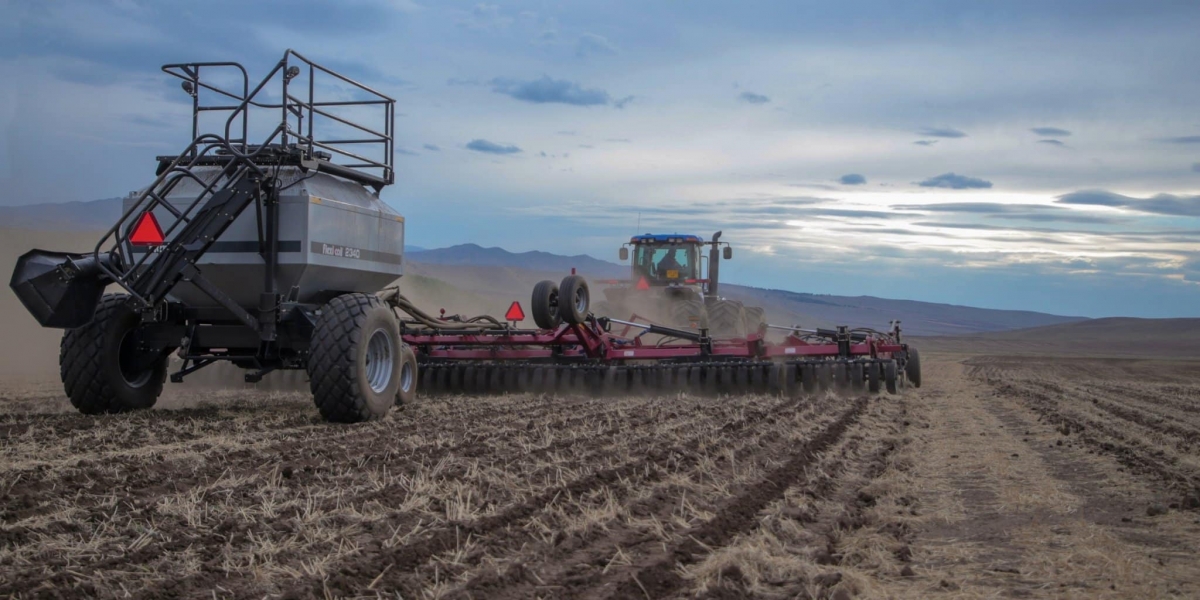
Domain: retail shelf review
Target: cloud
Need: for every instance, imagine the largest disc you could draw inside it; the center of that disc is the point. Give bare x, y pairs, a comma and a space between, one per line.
552, 91
852, 179
974, 207
431, 148
1051, 131
1053, 143
406, 152
1184, 139
591, 44
622, 102
955, 182
1196, 167
1161, 204
846, 212
752, 98
941, 132
925, 142
1056, 217
481, 145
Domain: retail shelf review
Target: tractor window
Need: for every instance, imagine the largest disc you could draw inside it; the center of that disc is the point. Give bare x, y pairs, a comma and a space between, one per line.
666, 263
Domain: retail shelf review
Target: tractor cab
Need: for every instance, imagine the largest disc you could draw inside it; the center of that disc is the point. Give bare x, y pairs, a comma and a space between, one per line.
664, 259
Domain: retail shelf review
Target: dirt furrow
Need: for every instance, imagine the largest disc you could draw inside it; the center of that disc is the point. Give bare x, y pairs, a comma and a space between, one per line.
657, 576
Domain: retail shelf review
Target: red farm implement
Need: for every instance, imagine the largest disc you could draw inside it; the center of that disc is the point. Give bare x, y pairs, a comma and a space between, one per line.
575, 351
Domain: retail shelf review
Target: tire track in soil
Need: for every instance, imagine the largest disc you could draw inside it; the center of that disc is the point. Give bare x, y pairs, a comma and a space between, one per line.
516, 582
352, 577
135, 472
1113, 442
649, 468
570, 575
1176, 397
1120, 408
658, 577
15, 535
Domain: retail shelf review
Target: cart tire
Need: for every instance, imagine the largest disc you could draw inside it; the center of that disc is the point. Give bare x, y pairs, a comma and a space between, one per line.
409, 375
90, 363
353, 359
544, 305
575, 301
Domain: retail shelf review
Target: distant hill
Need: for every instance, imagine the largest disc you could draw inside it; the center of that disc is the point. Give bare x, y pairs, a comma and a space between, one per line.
1114, 336
918, 318
476, 255
93, 215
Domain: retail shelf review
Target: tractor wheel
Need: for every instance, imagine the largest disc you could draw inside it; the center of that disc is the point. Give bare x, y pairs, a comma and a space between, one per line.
545, 305
574, 299
727, 319
100, 365
406, 388
687, 314
912, 368
352, 364
755, 319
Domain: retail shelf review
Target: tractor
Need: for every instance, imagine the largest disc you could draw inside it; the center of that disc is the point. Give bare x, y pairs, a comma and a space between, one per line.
668, 283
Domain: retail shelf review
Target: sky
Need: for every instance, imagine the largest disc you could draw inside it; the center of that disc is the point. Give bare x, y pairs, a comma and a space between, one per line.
1004, 154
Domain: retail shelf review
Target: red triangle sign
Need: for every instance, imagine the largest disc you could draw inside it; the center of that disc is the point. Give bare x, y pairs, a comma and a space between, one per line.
146, 232
515, 313
642, 284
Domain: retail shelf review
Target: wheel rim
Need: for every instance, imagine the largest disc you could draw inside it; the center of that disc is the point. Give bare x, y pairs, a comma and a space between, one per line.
581, 301
125, 354
380, 362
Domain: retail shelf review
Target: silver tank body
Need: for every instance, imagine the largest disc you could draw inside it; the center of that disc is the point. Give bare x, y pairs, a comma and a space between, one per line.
335, 236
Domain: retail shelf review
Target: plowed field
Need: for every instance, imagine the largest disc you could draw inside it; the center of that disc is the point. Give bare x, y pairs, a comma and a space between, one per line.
1027, 477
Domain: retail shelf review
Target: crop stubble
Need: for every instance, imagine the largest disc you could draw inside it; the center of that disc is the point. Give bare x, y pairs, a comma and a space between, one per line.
459, 496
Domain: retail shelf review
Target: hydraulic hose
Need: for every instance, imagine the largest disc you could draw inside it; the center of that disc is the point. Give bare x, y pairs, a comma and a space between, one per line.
397, 300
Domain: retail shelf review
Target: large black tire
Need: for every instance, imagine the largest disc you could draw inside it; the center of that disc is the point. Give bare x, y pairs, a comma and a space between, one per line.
727, 318
353, 358
756, 317
91, 358
574, 299
687, 314
406, 387
544, 305
912, 367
